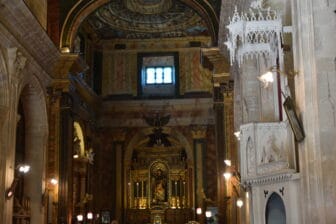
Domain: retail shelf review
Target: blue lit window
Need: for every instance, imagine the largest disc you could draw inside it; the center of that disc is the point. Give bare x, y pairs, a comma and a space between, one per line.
159, 75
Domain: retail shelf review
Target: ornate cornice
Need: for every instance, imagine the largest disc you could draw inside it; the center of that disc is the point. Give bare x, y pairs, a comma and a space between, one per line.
289, 175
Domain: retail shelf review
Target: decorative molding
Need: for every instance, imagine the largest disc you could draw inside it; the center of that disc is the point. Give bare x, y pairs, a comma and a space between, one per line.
276, 178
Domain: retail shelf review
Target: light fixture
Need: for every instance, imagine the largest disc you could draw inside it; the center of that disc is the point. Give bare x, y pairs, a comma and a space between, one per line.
80, 218
237, 134
240, 203
76, 156
199, 211
89, 215
227, 175
208, 214
53, 181
23, 168
227, 162
266, 78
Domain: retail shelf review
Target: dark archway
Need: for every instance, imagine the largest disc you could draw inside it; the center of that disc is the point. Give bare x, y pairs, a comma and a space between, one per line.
275, 210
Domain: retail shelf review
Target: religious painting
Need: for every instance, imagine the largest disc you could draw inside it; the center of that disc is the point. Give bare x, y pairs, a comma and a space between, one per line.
159, 183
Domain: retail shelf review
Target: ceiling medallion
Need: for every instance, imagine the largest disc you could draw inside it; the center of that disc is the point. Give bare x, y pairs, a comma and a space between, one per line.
148, 6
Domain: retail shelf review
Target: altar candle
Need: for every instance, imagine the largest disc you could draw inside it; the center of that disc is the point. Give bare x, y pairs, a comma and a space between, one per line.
176, 188
142, 185
137, 189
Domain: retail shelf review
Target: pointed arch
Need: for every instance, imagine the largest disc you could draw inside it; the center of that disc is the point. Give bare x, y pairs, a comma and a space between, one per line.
275, 212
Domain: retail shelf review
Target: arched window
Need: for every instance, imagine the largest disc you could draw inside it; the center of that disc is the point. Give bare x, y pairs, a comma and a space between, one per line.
275, 210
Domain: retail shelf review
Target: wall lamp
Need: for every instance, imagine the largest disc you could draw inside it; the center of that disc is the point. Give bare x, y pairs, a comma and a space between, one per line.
22, 169
268, 76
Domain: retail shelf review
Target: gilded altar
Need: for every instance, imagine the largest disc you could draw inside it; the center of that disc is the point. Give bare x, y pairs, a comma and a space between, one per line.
159, 186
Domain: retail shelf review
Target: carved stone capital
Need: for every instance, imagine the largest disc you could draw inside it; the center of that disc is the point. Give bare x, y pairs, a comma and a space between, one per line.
198, 132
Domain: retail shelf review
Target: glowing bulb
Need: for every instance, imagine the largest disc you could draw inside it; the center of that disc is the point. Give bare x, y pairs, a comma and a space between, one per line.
237, 134
227, 162
198, 211
80, 217
208, 214
227, 175
24, 168
53, 181
75, 156
89, 215
266, 78
240, 203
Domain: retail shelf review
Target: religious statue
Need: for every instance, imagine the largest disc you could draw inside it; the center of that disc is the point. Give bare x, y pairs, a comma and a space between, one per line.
159, 186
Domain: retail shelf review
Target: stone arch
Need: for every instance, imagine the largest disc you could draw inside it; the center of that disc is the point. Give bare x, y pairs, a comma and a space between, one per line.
275, 211
83, 9
36, 135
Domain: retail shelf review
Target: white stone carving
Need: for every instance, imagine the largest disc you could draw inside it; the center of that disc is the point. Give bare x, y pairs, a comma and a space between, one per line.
269, 149
253, 34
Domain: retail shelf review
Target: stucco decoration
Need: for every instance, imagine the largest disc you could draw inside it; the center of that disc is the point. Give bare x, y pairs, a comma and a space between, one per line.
146, 19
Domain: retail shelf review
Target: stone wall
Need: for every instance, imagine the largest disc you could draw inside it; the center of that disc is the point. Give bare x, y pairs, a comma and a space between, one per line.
39, 9
314, 48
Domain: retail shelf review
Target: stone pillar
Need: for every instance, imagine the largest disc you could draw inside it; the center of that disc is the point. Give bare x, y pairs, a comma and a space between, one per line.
54, 108
118, 147
199, 141
3, 130
65, 211
221, 154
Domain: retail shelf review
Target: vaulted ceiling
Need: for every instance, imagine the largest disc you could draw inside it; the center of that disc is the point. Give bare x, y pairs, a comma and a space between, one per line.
146, 19
142, 19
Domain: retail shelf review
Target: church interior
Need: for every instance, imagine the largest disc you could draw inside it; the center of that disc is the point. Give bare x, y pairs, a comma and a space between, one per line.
167, 111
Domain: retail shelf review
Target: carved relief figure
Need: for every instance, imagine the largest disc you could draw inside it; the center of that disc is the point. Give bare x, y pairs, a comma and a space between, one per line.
271, 152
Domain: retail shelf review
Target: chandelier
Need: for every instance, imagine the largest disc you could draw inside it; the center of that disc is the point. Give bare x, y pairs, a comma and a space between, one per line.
255, 33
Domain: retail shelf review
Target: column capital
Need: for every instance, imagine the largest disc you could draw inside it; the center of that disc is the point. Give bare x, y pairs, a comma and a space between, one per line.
198, 131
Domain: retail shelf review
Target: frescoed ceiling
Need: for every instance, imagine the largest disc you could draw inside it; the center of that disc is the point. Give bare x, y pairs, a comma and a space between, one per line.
135, 19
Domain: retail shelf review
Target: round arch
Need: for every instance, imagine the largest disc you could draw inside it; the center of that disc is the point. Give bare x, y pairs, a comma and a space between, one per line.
275, 211
36, 137
84, 8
